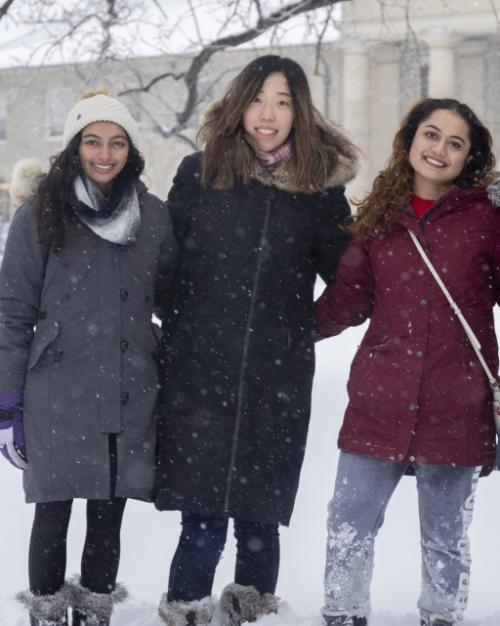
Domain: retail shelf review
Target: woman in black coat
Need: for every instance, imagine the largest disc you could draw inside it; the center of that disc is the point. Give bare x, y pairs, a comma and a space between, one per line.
259, 215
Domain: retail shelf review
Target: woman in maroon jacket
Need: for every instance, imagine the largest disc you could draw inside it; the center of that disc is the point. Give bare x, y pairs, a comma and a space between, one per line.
419, 400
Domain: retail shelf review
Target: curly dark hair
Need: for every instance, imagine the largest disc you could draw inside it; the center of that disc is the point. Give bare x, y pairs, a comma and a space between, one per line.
393, 186
52, 200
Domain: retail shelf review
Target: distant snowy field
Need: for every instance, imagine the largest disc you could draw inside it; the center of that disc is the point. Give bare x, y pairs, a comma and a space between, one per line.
149, 537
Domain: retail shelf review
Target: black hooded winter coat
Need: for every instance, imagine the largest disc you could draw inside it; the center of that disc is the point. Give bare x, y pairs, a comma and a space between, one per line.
238, 355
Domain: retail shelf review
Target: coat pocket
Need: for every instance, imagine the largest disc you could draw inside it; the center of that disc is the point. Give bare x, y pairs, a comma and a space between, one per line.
42, 340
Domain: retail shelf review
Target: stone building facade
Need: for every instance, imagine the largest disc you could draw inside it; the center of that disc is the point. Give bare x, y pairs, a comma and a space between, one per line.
365, 81
36, 102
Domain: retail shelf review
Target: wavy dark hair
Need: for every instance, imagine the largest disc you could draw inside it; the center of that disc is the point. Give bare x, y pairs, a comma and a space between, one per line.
393, 186
52, 200
228, 159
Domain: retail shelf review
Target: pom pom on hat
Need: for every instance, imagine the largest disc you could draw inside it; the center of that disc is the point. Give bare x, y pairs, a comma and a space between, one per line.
100, 108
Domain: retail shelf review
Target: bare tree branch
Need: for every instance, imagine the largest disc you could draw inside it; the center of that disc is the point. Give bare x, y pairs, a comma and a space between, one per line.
495, 13
195, 21
56, 42
160, 9
5, 7
382, 13
201, 59
107, 23
259, 9
150, 84
94, 30
321, 37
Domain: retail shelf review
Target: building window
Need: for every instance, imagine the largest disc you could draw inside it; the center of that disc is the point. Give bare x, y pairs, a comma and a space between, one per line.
59, 103
3, 117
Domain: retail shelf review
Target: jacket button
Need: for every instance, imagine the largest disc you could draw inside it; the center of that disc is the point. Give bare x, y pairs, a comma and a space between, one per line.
66, 297
125, 397
42, 315
123, 294
58, 355
124, 345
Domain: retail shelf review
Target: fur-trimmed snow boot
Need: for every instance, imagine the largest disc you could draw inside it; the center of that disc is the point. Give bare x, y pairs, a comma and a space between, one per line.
94, 609
193, 613
242, 604
48, 610
344, 620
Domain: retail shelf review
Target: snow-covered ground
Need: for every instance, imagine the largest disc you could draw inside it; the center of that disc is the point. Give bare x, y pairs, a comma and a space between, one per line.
149, 537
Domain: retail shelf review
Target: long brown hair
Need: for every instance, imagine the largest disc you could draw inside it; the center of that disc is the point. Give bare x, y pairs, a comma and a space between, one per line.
228, 159
393, 186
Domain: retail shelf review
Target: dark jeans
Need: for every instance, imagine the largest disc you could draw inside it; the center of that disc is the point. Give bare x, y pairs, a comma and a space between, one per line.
200, 547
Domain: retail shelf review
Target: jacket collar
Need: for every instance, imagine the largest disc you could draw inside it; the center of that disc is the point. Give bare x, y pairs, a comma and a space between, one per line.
454, 199
346, 169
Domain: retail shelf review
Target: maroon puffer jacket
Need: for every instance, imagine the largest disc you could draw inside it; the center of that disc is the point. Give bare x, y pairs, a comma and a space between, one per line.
416, 389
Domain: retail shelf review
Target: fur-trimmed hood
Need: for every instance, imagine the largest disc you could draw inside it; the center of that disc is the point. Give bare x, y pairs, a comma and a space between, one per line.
346, 169
348, 164
26, 176
494, 192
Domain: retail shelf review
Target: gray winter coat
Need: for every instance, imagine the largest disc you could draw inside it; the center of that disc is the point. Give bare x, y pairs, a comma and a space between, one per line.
76, 339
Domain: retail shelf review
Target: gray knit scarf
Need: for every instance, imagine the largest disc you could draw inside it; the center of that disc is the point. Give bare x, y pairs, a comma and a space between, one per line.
115, 218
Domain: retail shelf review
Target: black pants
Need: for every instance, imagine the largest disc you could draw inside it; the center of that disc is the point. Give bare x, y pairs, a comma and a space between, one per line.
200, 547
101, 551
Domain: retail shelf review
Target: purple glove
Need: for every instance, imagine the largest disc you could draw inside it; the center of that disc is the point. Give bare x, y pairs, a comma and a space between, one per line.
11, 429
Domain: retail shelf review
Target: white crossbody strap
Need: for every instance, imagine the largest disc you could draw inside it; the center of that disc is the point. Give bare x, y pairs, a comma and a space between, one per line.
468, 330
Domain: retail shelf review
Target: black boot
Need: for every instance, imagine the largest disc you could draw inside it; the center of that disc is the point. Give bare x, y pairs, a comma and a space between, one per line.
436, 621
48, 610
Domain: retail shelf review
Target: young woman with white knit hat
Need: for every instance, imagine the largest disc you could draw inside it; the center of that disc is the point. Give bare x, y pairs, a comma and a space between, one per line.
86, 258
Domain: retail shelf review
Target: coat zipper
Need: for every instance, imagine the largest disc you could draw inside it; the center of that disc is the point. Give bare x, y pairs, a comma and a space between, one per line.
246, 345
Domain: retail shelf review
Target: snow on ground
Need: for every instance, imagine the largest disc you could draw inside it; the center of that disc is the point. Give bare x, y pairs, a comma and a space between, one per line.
149, 538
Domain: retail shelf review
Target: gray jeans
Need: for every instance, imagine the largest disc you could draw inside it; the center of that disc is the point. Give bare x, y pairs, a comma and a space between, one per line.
363, 488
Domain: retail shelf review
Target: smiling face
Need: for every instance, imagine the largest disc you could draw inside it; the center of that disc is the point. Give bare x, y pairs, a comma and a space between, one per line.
439, 153
103, 153
268, 119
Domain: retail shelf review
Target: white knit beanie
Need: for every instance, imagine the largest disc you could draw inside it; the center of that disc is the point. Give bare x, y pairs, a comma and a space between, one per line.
100, 108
